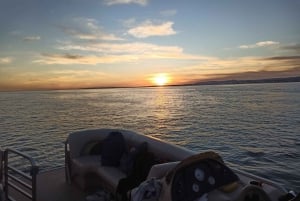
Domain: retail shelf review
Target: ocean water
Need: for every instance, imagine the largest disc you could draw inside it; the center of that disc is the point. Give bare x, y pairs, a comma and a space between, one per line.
254, 127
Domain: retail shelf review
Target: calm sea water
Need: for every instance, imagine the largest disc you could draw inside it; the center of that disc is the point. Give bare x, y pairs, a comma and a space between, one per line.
253, 127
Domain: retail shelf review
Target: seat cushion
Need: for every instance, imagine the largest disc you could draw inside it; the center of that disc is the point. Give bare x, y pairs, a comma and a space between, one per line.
110, 176
92, 164
84, 164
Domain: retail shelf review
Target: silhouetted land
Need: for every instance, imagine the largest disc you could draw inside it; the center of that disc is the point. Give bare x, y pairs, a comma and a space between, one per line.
270, 80
223, 82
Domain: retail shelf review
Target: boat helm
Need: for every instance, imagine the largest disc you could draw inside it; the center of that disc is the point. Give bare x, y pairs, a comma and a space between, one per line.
195, 177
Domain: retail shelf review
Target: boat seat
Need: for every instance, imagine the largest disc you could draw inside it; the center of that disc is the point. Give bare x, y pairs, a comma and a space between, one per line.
110, 176
92, 164
86, 164
81, 167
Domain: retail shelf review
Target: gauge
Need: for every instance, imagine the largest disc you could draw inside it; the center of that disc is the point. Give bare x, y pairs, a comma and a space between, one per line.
211, 180
195, 188
199, 174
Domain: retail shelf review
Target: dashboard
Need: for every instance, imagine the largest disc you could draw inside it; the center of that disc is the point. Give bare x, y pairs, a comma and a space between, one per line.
194, 180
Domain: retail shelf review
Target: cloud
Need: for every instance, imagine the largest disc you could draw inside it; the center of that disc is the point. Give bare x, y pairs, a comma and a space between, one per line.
88, 29
148, 28
128, 22
122, 48
54, 79
259, 44
140, 51
66, 56
296, 58
291, 47
115, 2
31, 38
238, 68
16, 33
261, 74
6, 60
168, 13
69, 59
281, 62
104, 53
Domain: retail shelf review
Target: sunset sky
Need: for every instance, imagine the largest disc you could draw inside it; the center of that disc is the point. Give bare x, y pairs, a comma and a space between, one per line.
62, 44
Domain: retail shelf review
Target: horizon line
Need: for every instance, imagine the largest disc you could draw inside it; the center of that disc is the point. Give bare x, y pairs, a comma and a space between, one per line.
209, 82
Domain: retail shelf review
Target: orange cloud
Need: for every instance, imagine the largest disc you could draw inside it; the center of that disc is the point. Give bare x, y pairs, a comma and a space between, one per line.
57, 79
240, 68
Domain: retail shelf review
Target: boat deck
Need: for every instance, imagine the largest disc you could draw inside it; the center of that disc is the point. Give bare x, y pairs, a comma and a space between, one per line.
51, 186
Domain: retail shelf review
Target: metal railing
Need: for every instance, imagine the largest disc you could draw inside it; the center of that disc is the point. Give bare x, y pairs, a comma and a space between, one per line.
67, 162
1, 175
16, 179
1, 165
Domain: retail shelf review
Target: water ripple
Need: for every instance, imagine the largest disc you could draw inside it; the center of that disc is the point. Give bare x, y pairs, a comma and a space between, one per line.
254, 127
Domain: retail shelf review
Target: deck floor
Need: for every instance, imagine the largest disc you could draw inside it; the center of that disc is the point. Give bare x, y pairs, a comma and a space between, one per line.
51, 186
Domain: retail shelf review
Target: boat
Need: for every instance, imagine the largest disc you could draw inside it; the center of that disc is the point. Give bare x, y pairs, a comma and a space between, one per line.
118, 164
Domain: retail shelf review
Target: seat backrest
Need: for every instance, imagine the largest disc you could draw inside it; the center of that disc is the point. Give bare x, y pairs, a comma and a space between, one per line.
79, 139
164, 150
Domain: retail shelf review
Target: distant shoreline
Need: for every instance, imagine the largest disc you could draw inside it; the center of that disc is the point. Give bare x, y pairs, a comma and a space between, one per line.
221, 82
256, 81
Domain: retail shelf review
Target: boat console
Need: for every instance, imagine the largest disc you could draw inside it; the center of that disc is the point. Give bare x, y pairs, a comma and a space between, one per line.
205, 177
194, 180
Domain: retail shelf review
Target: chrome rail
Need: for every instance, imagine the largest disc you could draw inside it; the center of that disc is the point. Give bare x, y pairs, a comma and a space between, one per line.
1, 165
67, 162
11, 180
1, 175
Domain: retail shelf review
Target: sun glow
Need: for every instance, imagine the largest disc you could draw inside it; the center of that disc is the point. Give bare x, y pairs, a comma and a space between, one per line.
161, 79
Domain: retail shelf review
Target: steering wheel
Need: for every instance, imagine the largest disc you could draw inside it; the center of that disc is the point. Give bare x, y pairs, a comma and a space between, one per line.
253, 193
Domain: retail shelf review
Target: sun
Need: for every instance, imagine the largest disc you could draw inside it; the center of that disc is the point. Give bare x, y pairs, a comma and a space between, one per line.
161, 79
